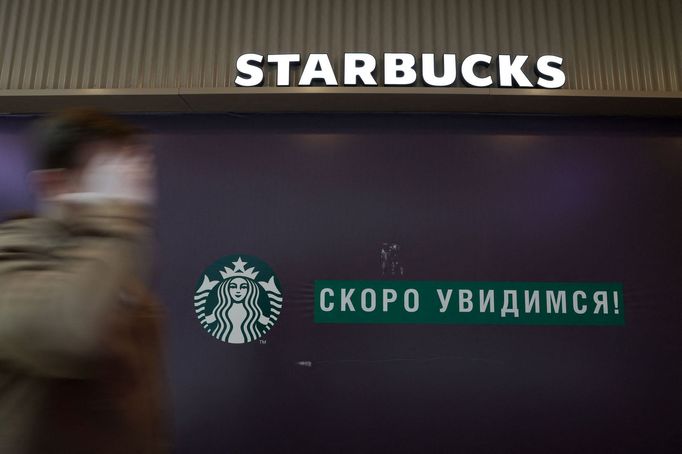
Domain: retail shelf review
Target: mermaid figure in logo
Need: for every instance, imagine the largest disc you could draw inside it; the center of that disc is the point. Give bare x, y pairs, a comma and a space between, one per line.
237, 312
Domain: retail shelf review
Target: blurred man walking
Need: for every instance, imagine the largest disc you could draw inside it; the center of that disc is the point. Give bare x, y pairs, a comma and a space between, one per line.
80, 352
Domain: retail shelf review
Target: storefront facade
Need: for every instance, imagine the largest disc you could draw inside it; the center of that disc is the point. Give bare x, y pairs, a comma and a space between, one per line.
507, 182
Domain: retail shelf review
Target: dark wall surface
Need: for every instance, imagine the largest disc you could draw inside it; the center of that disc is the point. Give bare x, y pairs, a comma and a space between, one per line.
467, 198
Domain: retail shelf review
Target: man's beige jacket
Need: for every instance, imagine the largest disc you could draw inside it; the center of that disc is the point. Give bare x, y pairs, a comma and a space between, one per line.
80, 350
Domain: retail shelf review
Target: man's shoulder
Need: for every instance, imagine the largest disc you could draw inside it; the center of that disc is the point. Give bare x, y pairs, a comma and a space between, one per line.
17, 215
28, 233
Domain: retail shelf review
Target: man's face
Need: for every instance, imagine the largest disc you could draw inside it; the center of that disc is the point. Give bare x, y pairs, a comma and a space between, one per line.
104, 170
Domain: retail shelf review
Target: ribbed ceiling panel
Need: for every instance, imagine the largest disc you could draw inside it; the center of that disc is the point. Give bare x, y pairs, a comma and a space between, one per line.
614, 45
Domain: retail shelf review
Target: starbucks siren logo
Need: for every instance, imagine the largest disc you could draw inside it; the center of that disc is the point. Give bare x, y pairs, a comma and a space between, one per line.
242, 303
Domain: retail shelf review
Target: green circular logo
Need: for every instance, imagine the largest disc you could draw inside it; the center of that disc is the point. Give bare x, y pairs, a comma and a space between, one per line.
238, 299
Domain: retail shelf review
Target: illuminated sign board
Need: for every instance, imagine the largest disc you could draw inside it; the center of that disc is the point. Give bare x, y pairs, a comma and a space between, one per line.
465, 303
400, 69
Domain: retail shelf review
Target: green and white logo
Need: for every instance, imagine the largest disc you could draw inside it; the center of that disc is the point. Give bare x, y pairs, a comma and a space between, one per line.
238, 299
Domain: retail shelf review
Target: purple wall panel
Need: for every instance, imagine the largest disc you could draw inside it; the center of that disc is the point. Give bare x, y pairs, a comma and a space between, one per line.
14, 166
468, 198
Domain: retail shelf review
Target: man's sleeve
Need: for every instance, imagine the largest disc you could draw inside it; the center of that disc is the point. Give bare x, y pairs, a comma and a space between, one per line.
55, 313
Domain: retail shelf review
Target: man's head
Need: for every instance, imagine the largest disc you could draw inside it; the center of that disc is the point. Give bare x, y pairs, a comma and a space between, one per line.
88, 153
67, 143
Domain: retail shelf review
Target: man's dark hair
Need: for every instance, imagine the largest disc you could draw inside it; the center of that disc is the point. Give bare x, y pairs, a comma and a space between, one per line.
59, 138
